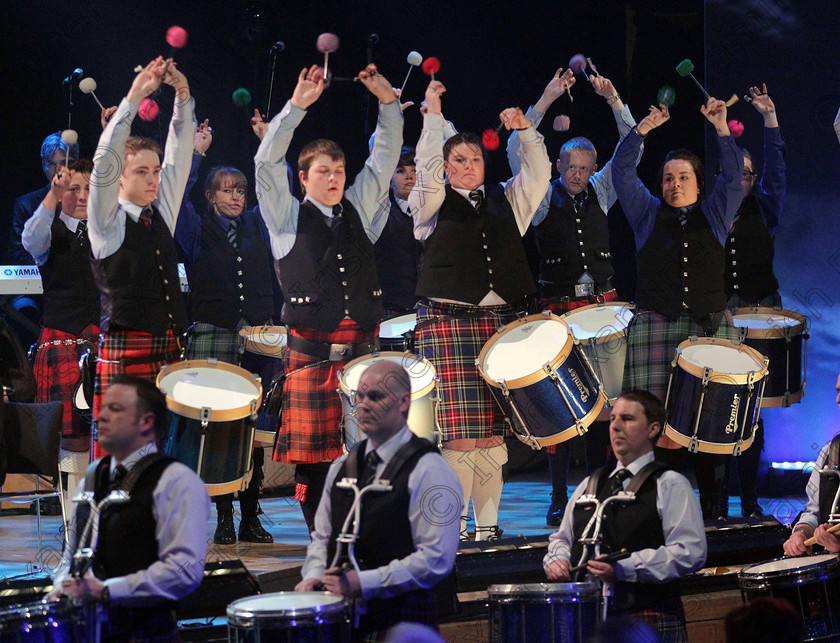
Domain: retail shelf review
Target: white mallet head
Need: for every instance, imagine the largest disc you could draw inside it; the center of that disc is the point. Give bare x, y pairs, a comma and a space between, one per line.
414, 58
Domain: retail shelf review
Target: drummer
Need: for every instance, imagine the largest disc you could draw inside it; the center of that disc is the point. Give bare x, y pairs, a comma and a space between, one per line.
473, 279
680, 264
151, 549
662, 528
820, 491
574, 248
401, 564
228, 261
323, 256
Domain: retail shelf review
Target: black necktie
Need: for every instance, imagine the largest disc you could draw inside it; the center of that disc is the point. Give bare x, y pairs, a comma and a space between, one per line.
477, 199
616, 481
578, 200
119, 474
233, 232
372, 461
146, 216
683, 213
81, 228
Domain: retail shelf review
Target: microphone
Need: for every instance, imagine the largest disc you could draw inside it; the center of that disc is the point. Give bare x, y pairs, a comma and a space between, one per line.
76, 75
277, 47
373, 39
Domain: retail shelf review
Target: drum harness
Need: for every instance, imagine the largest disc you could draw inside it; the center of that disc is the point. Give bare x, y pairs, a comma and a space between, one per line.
591, 536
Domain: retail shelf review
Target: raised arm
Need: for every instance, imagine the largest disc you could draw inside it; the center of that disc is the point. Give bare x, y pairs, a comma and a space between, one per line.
722, 205
188, 228
37, 231
428, 192
773, 183
529, 186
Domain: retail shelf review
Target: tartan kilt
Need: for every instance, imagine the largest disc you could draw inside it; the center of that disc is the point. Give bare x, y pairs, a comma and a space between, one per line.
559, 307
670, 625
651, 342
311, 415
206, 341
467, 408
57, 373
155, 350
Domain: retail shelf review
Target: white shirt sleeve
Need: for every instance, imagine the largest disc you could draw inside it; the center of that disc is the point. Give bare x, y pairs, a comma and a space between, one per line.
37, 234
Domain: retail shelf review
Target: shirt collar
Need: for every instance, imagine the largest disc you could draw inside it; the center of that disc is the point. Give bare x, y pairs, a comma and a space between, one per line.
132, 209
388, 448
71, 222
223, 221
402, 205
637, 464
584, 192
326, 210
132, 458
466, 193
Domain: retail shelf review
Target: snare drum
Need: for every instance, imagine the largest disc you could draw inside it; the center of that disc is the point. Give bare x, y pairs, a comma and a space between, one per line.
291, 617
43, 622
397, 333
212, 409
546, 612
542, 379
602, 332
263, 350
422, 414
264, 340
810, 583
714, 395
782, 336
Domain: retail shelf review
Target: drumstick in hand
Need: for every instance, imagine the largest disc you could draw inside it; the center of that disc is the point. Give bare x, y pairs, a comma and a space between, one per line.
609, 558
832, 530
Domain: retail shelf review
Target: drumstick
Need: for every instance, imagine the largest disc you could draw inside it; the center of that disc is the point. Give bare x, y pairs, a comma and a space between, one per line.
832, 530
609, 558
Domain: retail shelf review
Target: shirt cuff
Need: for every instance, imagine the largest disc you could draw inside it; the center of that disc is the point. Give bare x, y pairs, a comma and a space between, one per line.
118, 588
625, 572
369, 582
528, 135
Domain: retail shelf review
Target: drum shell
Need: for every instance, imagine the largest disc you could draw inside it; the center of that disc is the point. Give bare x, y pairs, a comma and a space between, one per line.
543, 613
328, 623
779, 352
403, 342
45, 622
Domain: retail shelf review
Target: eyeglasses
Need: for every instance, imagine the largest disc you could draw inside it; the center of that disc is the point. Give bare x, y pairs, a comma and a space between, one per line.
746, 175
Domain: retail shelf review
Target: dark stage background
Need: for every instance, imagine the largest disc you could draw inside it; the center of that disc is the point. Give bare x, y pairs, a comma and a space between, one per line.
492, 56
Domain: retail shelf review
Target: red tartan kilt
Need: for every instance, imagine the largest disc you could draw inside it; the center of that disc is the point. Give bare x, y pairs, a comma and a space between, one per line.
129, 344
57, 373
312, 409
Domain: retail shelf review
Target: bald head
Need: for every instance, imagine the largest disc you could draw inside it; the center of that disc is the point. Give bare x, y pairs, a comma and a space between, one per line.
383, 398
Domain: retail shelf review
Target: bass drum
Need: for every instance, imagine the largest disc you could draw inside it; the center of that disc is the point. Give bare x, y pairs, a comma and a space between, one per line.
212, 409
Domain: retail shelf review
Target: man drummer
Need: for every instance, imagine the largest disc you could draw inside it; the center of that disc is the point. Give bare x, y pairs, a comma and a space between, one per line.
324, 259
662, 527
399, 565
575, 267
820, 491
151, 548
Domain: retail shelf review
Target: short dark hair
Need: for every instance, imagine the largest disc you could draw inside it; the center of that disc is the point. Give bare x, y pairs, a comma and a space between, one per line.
316, 147
464, 137
149, 398
84, 166
406, 157
652, 406
134, 144
696, 164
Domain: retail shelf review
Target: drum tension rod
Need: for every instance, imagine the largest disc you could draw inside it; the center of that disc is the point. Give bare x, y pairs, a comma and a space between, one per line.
205, 417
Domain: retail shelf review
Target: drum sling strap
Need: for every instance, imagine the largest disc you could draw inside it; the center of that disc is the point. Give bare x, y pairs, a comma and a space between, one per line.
833, 459
404, 453
650, 469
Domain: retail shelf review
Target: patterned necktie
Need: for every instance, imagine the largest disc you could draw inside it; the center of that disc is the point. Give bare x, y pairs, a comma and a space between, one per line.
81, 229
233, 232
146, 216
617, 479
477, 199
577, 201
372, 461
683, 213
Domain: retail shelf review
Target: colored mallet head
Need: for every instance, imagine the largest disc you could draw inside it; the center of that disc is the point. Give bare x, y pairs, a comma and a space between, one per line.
562, 123
578, 65
241, 97
684, 69
666, 96
736, 128
327, 43
176, 37
490, 139
431, 66
414, 59
70, 136
148, 110
88, 86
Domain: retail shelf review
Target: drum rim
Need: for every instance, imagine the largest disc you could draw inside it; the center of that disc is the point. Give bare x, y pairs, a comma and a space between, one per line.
245, 617
795, 576
503, 591
537, 376
390, 319
601, 339
415, 395
217, 415
726, 448
253, 346
771, 333
719, 376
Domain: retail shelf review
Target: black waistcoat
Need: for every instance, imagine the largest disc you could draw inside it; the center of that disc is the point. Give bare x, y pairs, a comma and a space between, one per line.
572, 242
139, 282
71, 298
228, 283
829, 484
681, 264
470, 253
323, 280
749, 255
398, 259
633, 526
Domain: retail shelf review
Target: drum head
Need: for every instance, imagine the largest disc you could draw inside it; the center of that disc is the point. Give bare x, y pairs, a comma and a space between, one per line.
781, 566
769, 323
225, 389
599, 322
421, 371
524, 347
726, 359
398, 326
303, 607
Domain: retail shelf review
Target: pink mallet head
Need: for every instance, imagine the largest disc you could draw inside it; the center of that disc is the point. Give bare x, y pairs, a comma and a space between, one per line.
148, 110
327, 43
561, 123
176, 37
736, 127
490, 139
431, 66
578, 63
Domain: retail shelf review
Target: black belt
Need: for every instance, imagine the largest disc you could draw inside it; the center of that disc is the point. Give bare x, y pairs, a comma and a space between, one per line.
331, 352
565, 294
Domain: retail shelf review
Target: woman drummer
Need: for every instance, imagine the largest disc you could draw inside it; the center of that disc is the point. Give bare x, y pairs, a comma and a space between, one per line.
680, 241
231, 281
